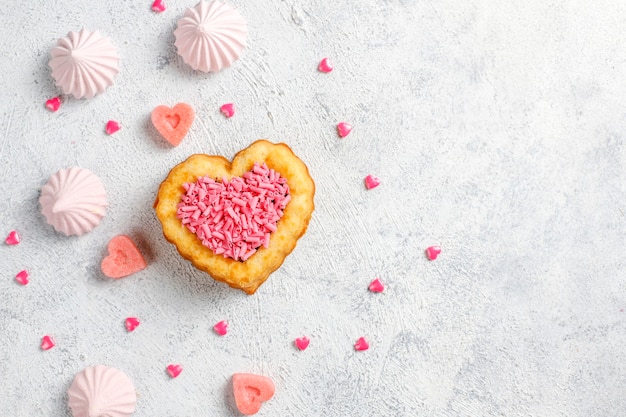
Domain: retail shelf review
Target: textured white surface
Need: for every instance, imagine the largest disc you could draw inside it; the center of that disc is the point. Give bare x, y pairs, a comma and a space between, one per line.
497, 129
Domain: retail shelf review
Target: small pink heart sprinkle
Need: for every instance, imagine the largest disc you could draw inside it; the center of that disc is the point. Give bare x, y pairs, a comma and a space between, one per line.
432, 252
158, 6
302, 342
53, 104
371, 182
131, 323
376, 286
221, 328
325, 66
112, 127
22, 277
228, 110
46, 343
361, 344
174, 370
13, 238
344, 129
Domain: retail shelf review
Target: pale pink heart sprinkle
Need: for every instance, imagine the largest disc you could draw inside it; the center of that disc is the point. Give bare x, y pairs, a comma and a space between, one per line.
228, 110
376, 286
221, 328
371, 182
112, 127
325, 66
131, 323
235, 217
174, 370
432, 252
344, 129
53, 104
22, 277
302, 342
361, 344
13, 238
46, 343
158, 6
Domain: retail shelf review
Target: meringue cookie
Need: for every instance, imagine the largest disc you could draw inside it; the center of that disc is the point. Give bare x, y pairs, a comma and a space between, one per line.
100, 391
73, 201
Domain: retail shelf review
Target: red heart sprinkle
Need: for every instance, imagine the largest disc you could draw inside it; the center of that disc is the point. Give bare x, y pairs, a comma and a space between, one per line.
432, 252
376, 286
13, 238
53, 104
158, 6
174, 370
325, 66
221, 328
131, 323
124, 258
228, 110
344, 129
361, 344
371, 182
22, 277
302, 342
250, 391
112, 127
46, 343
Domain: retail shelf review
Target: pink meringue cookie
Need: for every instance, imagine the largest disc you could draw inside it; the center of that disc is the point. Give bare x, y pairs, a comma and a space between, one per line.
84, 63
73, 201
210, 36
102, 391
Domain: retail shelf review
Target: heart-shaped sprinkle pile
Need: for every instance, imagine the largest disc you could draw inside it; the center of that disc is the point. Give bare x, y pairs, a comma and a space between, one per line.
124, 258
235, 217
13, 238
344, 129
302, 342
221, 328
432, 252
361, 344
228, 110
158, 6
325, 66
376, 286
53, 104
46, 343
250, 391
371, 182
112, 127
22, 277
174, 370
173, 124
131, 323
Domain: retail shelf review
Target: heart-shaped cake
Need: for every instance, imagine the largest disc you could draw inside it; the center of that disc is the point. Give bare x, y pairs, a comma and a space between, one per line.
237, 221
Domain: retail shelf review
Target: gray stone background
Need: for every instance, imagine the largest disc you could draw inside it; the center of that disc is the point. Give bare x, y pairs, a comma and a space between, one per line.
497, 129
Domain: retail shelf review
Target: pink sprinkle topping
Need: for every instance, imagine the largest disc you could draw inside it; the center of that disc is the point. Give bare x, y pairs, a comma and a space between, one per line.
432, 252
325, 66
131, 323
174, 370
235, 217
344, 129
112, 127
371, 182
158, 6
361, 344
53, 104
302, 342
46, 343
376, 286
13, 238
221, 328
22, 277
228, 110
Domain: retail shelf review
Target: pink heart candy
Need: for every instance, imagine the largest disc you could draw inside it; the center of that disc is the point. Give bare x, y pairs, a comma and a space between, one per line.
158, 6
371, 182
376, 286
228, 110
112, 127
221, 328
251, 391
344, 129
361, 344
302, 342
131, 323
46, 343
174, 370
432, 252
22, 277
325, 66
13, 238
53, 104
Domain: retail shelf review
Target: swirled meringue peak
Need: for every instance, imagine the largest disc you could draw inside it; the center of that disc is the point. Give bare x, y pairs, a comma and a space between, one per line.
73, 201
84, 63
211, 36
102, 391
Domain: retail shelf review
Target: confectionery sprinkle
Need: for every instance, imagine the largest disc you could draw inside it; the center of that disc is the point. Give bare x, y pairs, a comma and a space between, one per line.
131, 323
47, 343
344, 129
325, 66
361, 344
112, 127
158, 6
22, 277
432, 252
174, 370
221, 328
53, 104
371, 182
13, 238
376, 286
302, 342
228, 110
